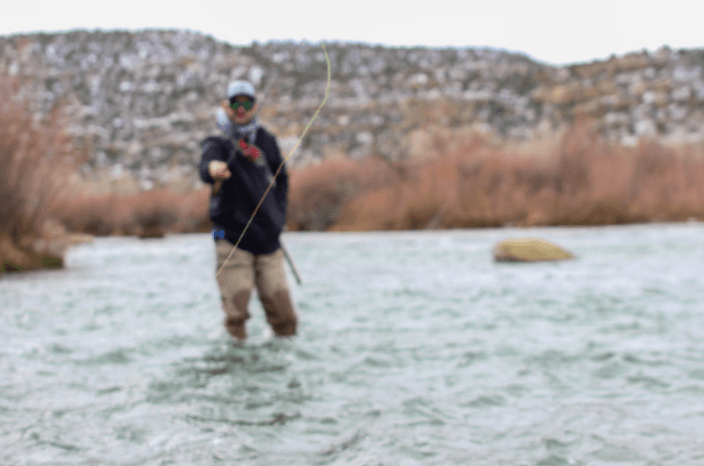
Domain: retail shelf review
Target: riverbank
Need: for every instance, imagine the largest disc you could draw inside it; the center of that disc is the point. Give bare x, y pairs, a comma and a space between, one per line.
44, 251
571, 178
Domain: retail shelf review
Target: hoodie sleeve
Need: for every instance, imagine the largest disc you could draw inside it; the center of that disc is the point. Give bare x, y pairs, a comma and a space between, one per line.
213, 149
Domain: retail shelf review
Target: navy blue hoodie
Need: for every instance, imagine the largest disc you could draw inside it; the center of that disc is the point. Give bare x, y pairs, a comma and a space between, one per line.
233, 205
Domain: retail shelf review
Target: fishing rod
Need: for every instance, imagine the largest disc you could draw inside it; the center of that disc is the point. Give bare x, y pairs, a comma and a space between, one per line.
288, 257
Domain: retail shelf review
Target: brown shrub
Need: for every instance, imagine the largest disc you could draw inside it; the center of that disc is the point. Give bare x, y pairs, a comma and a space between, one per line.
577, 180
316, 194
35, 161
570, 179
146, 214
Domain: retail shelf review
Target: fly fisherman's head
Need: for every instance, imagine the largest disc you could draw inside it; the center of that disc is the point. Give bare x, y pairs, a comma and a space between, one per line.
241, 106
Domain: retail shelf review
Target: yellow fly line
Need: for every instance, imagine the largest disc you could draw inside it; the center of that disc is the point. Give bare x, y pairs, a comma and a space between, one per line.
281, 165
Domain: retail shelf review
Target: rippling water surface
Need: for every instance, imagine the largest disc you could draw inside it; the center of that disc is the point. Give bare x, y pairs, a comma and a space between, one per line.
414, 349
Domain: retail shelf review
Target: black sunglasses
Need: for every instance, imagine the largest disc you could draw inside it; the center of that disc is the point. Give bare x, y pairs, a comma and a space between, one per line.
247, 104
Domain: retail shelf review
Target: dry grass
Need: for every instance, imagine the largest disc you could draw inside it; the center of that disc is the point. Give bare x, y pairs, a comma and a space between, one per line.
576, 180
147, 214
35, 161
317, 193
569, 178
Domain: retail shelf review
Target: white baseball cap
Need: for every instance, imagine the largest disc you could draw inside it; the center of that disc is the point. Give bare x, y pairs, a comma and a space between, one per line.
240, 88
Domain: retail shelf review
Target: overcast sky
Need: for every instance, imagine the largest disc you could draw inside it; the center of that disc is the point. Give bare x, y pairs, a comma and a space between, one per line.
551, 31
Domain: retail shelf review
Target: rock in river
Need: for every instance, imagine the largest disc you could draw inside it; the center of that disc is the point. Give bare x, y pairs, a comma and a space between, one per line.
529, 250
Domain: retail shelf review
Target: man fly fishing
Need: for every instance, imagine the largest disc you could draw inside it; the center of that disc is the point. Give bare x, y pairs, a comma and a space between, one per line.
240, 166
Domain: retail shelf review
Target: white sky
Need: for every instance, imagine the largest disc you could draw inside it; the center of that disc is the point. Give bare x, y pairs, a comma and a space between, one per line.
551, 31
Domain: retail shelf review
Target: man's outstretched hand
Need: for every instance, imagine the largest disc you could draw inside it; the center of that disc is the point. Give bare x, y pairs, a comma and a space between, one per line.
218, 170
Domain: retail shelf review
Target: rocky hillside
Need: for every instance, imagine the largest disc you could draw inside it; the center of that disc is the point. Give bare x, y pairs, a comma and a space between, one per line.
141, 102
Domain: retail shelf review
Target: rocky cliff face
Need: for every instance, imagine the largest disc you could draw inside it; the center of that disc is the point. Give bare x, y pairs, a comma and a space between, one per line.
141, 102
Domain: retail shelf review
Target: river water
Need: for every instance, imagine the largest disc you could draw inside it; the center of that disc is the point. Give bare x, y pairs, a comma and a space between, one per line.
415, 348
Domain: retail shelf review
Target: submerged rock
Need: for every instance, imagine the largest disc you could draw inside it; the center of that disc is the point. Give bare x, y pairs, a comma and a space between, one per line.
529, 250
